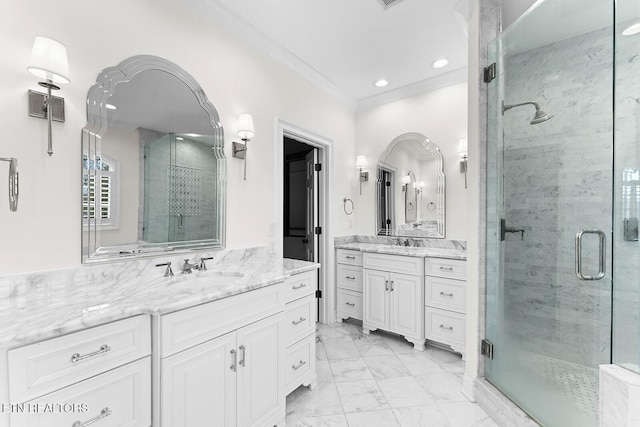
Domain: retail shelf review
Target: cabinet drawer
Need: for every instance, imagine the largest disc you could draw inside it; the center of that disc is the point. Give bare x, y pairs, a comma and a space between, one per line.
300, 363
300, 319
351, 257
38, 369
441, 267
300, 285
447, 294
120, 397
192, 326
349, 304
394, 263
350, 277
444, 326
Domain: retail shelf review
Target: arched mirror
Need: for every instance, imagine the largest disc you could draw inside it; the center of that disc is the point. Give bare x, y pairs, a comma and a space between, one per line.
410, 189
153, 165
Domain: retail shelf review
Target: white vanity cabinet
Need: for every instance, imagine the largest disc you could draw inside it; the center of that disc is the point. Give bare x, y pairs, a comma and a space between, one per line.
445, 302
97, 374
300, 328
349, 284
221, 363
393, 296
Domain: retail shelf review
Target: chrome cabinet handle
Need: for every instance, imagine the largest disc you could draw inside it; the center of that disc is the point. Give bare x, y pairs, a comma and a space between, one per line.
234, 364
386, 285
392, 286
242, 357
300, 286
446, 268
350, 277
297, 322
350, 257
299, 365
76, 357
446, 295
446, 327
602, 253
351, 304
103, 414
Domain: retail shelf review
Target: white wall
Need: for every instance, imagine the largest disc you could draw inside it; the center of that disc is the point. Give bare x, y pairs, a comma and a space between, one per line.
45, 232
441, 116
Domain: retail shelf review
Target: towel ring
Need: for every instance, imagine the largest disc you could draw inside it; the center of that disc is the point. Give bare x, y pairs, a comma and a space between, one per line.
347, 210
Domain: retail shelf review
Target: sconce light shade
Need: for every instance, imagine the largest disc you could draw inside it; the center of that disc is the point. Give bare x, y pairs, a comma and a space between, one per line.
49, 60
462, 147
245, 126
361, 161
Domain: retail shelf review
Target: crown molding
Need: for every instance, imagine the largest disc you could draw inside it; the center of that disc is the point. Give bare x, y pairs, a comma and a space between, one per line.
423, 86
234, 24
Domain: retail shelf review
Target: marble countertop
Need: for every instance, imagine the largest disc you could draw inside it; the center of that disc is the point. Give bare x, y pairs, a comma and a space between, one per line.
419, 251
48, 305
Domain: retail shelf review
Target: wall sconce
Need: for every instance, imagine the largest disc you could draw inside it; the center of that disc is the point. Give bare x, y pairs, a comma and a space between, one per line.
462, 153
419, 189
49, 62
405, 182
245, 132
361, 162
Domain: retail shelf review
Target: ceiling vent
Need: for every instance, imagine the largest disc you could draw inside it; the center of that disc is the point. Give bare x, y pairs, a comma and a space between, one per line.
386, 4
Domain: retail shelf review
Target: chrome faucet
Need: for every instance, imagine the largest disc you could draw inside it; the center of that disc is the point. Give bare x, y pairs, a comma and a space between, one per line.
168, 272
187, 267
203, 266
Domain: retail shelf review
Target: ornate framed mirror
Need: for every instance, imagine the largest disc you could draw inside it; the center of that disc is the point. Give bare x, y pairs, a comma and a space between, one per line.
153, 164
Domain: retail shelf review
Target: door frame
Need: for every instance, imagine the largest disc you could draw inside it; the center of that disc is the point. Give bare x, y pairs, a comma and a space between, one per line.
327, 312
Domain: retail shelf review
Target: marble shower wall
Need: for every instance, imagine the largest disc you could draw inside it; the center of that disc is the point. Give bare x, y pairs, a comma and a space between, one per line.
557, 180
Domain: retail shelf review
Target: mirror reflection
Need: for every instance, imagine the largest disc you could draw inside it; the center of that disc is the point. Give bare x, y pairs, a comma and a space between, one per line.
153, 163
410, 189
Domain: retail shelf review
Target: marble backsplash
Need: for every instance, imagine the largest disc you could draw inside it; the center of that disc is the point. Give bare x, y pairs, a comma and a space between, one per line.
390, 240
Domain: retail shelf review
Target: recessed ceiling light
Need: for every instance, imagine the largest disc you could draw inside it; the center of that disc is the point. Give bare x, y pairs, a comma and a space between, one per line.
631, 30
111, 107
179, 138
440, 63
380, 83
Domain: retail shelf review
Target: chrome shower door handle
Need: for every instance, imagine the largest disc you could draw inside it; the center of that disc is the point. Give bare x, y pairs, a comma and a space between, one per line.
601, 258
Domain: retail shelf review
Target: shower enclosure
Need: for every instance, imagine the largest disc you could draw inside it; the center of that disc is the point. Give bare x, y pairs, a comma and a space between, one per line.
563, 202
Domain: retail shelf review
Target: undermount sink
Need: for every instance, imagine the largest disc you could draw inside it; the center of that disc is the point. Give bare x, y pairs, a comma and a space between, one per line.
205, 278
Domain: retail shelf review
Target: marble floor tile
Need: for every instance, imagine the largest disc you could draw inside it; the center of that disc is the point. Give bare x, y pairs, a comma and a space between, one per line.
419, 363
421, 416
321, 354
444, 386
322, 400
388, 366
323, 371
324, 421
339, 331
404, 391
398, 344
360, 396
373, 347
465, 414
341, 350
442, 356
372, 419
350, 370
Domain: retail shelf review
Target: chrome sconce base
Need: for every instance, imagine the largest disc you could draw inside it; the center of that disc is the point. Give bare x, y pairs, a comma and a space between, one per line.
46, 106
363, 177
463, 169
240, 152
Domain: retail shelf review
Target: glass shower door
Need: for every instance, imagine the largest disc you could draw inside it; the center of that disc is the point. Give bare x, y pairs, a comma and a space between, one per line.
550, 163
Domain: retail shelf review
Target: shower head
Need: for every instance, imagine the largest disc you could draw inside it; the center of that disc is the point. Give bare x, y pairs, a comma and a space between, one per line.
540, 116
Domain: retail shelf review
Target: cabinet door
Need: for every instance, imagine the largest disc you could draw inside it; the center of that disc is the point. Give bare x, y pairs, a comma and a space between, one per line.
375, 299
260, 374
199, 385
407, 301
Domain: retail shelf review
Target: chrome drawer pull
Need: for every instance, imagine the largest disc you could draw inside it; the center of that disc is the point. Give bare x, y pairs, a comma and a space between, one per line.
234, 364
351, 304
350, 257
103, 414
446, 268
302, 319
242, 362
300, 365
350, 278
300, 286
446, 327
76, 357
446, 295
